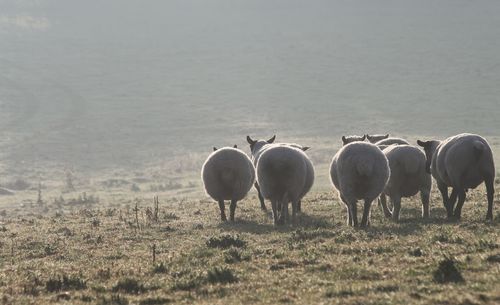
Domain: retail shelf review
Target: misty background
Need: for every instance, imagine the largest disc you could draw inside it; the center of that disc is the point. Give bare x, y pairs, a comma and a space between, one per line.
96, 86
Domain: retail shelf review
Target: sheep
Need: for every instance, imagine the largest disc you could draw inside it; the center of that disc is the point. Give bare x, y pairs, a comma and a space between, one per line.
462, 162
376, 137
349, 139
257, 147
227, 174
408, 177
282, 173
359, 170
391, 141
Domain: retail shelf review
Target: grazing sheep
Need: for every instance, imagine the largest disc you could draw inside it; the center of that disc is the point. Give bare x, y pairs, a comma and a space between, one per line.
227, 174
391, 141
282, 173
349, 139
408, 177
462, 162
376, 137
359, 170
259, 146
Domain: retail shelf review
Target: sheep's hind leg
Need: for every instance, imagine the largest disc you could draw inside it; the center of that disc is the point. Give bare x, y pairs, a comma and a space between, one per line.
451, 202
275, 212
424, 196
284, 213
443, 189
490, 191
261, 198
396, 202
353, 207
349, 214
365, 221
295, 206
222, 208
232, 209
299, 206
461, 200
383, 202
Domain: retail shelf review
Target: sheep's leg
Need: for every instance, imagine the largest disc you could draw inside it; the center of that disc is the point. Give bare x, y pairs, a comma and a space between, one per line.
396, 202
490, 191
460, 204
365, 221
284, 212
261, 198
299, 206
349, 212
425, 197
275, 211
232, 208
295, 206
444, 193
222, 208
451, 202
349, 217
354, 213
383, 203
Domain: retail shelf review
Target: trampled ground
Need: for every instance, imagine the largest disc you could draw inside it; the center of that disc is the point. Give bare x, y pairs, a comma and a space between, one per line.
103, 254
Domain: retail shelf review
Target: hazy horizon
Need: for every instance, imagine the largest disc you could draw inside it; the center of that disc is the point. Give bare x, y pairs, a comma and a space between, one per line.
98, 84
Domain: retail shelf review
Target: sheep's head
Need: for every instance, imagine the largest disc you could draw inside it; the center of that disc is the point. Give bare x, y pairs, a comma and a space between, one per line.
376, 137
349, 139
256, 145
429, 149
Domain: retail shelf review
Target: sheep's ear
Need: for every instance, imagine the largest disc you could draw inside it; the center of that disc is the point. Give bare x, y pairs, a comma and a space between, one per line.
271, 140
344, 140
304, 148
386, 135
363, 137
422, 143
235, 146
250, 141
215, 148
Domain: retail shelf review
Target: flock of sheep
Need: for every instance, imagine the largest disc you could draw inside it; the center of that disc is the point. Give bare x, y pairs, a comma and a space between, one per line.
384, 166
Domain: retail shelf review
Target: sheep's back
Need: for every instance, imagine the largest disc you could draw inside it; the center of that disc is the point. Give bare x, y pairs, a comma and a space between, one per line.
407, 166
228, 174
360, 170
463, 160
282, 169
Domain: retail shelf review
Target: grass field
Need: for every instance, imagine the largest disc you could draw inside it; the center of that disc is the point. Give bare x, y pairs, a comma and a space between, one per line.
85, 252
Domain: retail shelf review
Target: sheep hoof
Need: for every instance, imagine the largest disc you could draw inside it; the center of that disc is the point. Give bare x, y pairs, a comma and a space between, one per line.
489, 217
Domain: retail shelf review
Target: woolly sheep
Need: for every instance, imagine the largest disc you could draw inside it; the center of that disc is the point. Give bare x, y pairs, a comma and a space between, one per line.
462, 162
282, 173
376, 137
227, 174
259, 146
408, 177
359, 170
349, 139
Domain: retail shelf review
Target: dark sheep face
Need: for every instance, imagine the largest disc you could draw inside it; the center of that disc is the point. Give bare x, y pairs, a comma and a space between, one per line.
429, 148
254, 142
349, 139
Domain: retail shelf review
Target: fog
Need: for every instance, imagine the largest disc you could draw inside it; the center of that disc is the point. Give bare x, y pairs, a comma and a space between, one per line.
97, 85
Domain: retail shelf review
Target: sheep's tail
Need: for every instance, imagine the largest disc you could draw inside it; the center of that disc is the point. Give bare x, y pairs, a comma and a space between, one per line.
478, 149
364, 167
